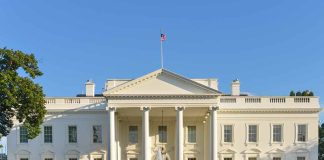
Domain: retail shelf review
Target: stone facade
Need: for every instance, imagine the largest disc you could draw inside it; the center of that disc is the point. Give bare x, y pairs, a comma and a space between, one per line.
185, 119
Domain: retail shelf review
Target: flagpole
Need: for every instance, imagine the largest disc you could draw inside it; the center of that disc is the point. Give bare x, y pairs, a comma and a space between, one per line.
161, 47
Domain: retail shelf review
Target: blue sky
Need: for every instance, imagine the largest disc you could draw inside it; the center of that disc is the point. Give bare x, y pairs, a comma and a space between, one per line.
271, 46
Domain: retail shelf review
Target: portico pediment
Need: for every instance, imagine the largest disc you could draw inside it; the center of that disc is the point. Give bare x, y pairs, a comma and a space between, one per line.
161, 82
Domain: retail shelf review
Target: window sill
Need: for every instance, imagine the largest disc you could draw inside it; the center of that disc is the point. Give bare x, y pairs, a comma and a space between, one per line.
252, 143
227, 143
277, 143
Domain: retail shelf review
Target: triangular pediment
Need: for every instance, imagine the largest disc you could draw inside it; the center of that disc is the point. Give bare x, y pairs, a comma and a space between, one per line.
252, 151
227, 151
161, 82
276, 151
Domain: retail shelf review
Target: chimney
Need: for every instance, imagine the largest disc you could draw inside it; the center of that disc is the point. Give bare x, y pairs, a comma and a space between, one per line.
236, 87
90, 88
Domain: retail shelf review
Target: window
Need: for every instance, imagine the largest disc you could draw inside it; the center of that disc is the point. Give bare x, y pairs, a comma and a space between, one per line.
276, 158
302, 133
23, 135
48, 135
301, 158
133, 134
162, 134
227, 158
73, 159
133, 159
48, 158
253, 133
97, 134
277, 133
228, 133
191, 158
192, 134
73, 135
252, 158
97, 159
23, 158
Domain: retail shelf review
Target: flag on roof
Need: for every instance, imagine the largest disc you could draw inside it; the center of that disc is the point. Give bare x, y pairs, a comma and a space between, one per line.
163, 37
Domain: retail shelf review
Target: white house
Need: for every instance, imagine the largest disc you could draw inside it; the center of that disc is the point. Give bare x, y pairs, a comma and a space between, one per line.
185, 119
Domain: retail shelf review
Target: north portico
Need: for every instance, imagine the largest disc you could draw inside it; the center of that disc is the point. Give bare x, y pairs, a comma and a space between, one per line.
162, 99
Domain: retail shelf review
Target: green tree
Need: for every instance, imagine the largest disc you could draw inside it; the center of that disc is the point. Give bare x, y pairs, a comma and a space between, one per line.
298, 93
292, 93
311, 93
321, 141
20, 97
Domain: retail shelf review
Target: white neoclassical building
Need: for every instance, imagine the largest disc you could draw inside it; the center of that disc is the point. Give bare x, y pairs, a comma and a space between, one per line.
165, 114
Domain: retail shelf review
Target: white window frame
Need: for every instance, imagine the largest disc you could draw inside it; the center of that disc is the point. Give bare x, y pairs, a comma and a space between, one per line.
18, 137
247, 134
282, 133
67, 135
223, 135
187, 135
296, 132
93, 134
48, 125
167, 134
138, 137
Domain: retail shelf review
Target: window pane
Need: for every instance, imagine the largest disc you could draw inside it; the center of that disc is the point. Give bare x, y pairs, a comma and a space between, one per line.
228, 133
277, 133
23, 135
133, 134
253, 132
162, 134
302, 132
97, 134
227, 158
48, 137
192, 134
301, 158
276, 158
252, 158
73, 134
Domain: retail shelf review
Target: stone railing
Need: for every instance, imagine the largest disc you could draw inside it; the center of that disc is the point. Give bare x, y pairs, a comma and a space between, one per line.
241, 101
75, 100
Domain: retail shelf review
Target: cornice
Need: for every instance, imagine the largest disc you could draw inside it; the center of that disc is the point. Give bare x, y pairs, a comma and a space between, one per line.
159, 96
271, 110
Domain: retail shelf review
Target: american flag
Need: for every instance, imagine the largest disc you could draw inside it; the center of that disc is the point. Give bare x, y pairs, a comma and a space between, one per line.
163, 37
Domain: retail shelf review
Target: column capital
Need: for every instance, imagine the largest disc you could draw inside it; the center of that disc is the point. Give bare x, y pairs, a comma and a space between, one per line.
145, 108
179, 108
111, 108
214, 108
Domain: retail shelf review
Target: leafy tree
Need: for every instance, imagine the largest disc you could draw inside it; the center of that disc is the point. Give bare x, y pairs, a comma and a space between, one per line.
321, 141
298, 93
305, 93
311, 93
20, 97
292, 93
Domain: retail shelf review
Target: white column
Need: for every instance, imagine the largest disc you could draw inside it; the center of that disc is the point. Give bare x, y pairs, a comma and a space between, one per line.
146, 150
111, 131
179, 133
213, 132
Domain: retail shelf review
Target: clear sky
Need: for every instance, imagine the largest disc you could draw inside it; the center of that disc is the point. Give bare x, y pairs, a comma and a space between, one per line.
272, 46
